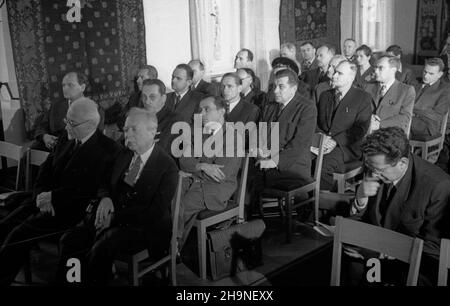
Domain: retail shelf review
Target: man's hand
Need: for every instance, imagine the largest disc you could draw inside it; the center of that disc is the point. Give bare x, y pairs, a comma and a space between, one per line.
329, 144
374, 123
44, 203
213, 171
368, 188
104, 213
49, 140
266, 164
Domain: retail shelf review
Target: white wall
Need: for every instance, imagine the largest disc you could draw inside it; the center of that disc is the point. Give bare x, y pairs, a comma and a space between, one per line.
167, 35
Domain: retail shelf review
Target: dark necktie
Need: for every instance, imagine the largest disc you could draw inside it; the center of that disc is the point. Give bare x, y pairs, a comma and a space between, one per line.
133, 172
177, 101
422, 90
76, 146
337, 100
280, 110
388, 194
381, 93
227, 108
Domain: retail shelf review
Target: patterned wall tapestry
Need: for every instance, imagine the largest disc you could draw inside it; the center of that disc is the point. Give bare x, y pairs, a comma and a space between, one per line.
108, 45
310, 20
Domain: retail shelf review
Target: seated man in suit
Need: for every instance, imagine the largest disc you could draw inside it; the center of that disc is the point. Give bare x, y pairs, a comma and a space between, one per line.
344, 116
244, 59
69, 177
324, 86
404, 193
198, 84
404, 73
309, 60
349, 49
315, 76
134, 208
432, 101
51, 125
237, 109
183, 101
249, 93
290, 51
146, 72
296, 117
154, 100
214, 178
393, 101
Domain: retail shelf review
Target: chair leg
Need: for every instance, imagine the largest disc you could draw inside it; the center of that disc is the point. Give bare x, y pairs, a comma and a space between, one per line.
27, 271
201, 244
133, 272
341, 185
289, 202
173, 269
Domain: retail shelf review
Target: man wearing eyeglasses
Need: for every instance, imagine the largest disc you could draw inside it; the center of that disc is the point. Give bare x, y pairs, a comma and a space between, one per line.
404, 193
67, 181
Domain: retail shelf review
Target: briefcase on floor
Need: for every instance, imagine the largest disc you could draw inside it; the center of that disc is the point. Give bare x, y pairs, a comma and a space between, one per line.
234, 249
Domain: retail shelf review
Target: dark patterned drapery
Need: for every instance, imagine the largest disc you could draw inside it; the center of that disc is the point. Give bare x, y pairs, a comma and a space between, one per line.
310, 20
108, 45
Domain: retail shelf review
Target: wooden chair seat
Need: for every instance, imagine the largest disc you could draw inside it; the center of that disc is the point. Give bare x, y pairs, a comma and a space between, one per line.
204, 214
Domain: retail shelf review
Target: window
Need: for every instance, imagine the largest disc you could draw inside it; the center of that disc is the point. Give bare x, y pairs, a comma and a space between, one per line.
373, 23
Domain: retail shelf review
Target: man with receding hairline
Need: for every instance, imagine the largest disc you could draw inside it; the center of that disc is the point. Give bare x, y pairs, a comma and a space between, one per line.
344, 116
132, 211
198, 83
66, 182
315, 76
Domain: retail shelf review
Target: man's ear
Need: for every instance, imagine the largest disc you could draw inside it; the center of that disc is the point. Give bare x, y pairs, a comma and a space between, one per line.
163, 99
404, 161
83, 88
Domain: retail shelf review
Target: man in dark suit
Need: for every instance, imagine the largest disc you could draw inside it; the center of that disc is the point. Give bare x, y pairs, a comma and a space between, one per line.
198, 84
249, 93
404, 193
244, 59
296, 119
349, 49
50, 125
214, 176
146, 72
432, 101
154, 100
309, 60
313, 77
393, 101
67, 180
404, 73
134, 211
324, 86
183, 101
344, 116
238, 110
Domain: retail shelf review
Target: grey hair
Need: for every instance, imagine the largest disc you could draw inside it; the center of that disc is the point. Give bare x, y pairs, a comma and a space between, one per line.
87, 109
149, 117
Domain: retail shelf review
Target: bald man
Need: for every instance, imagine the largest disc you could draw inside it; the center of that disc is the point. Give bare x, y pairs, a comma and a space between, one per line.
67, 181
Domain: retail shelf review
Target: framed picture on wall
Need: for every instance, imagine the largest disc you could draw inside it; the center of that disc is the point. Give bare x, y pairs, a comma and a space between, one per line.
428, 29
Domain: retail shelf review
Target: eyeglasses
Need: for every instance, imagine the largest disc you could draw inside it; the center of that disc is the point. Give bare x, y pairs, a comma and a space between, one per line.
377, 171
73, 124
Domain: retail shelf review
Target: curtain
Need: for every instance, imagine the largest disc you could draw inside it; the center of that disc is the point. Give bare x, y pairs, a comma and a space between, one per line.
256, 29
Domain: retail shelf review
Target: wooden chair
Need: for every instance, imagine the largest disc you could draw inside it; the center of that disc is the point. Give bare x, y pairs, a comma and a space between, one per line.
136, 261
206, 218
431, 146
444, 262
347, 180
378, 239
14, 152
34, 158
286, 196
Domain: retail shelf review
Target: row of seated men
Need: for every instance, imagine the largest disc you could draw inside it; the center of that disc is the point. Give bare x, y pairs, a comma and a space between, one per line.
67, 182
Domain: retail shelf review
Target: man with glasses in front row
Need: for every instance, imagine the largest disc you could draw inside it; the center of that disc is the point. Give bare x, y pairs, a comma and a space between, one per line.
67, 180
403, 193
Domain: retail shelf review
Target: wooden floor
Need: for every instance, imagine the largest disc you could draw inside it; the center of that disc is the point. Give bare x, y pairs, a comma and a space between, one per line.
305, 261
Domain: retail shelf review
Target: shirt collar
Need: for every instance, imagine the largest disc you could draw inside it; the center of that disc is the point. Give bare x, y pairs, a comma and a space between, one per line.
388, 85
83, 140
144, 156
183, 93
233, 105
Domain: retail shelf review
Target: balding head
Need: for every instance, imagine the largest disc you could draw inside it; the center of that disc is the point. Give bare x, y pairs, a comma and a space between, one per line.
82, 118
335, 61
344, 76
140, 129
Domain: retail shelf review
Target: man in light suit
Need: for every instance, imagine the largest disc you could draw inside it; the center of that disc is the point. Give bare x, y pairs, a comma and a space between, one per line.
66, 182
393, 101
183, 101
403, 193
214, 179
344, 116
134, 208
432, 101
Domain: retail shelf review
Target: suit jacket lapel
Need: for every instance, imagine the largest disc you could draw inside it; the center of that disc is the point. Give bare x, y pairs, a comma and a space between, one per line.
122, 166
389, 96
81, 150
148, 170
